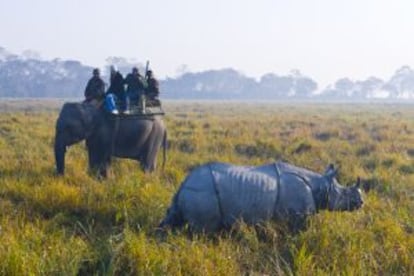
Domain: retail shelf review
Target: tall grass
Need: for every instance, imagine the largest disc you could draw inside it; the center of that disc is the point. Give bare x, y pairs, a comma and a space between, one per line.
78, 225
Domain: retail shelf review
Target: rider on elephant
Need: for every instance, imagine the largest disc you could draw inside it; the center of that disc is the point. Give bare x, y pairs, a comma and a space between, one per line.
135, 87
153, 90
116, 91
95, 89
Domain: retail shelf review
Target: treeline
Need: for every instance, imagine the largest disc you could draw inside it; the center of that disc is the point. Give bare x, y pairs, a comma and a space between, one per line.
37, 78
230, 84
30, 76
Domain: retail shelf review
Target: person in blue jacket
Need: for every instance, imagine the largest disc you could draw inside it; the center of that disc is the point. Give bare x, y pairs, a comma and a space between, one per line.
116, 92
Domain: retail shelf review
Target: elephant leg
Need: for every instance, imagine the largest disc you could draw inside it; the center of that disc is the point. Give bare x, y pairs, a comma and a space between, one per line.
103, 172
100, 169
104, 160
143, 159
98, 161
149, 159
145, 167
91, 160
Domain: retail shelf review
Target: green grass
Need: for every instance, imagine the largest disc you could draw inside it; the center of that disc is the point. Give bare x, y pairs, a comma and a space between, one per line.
77, 225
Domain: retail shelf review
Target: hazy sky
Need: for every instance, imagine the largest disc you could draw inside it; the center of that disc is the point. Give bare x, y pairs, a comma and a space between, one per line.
324, 39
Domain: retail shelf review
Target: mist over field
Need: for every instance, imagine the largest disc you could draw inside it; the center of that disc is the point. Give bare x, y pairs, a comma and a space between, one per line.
29, 76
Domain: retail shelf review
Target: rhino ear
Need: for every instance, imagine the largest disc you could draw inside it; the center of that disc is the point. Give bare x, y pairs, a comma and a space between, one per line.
358, 183
329, 168
330, 171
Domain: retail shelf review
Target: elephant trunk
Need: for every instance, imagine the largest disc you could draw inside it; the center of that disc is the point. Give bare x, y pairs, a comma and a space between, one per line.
60, 150
74, 124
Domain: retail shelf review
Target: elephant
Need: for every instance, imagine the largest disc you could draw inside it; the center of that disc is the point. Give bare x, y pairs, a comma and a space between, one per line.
216, 195
124, 136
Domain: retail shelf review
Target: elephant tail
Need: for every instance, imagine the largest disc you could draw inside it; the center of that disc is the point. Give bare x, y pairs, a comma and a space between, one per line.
164, 146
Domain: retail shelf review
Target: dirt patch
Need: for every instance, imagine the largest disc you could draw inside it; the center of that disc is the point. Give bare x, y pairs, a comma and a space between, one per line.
406, 169
324, 136
365, 150
370, 184
261, 149
302, 148
410, 152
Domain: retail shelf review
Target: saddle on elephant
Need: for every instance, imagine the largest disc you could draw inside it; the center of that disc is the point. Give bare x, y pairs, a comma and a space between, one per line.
140, 99
144, 107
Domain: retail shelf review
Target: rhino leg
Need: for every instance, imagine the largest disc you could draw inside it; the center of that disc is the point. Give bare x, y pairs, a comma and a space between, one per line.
201, 211
172, 220
297, 222
296, 202
199, 215
198, 201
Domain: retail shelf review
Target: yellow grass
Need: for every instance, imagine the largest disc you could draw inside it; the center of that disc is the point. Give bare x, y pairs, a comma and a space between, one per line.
79, 225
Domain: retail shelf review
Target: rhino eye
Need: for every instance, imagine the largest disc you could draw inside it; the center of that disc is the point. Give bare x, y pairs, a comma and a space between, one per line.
355, 198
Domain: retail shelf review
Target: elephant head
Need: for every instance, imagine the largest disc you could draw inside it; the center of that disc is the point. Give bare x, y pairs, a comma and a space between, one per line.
74, 124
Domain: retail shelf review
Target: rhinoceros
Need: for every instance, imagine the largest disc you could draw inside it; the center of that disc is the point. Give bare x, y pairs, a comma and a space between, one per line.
216, 195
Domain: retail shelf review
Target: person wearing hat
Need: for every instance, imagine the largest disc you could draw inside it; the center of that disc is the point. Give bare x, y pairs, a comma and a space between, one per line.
95, 88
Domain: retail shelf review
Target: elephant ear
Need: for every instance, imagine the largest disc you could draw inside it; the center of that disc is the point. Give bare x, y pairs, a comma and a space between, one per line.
331, 172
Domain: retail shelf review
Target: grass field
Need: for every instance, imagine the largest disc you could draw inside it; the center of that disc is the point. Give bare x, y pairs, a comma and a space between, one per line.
77, 225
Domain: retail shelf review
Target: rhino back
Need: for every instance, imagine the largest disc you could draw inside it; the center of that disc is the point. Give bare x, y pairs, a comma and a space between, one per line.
316, 181
289, 168
247, 193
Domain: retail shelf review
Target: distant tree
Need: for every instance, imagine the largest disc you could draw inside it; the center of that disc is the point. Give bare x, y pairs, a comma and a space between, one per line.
305, 87
273, 86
